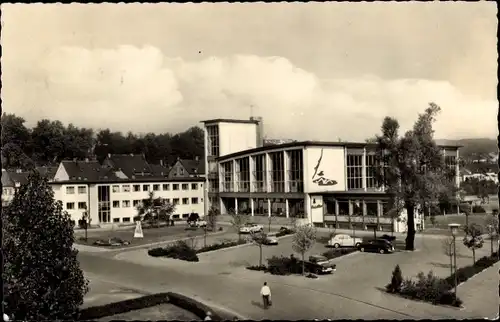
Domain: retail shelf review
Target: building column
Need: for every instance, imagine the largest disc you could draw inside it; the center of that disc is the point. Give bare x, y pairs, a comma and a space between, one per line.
234, 177
267, 177
379, 212
286, 177
363, 162
287, 209
336, 213
236, 205
307, 207
268, 207
457, 170
251, 175
351, 209
363, 207
251, 206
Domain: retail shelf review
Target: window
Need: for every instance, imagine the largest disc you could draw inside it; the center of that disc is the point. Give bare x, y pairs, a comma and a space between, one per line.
277, 172
145, 187
137, 187
167, 200
176, 201
227, 177
126, 203
70, 190
181, 171
176, 216
82, 205
185, 201
213, 140
259, 184
371, 165
194, 201
116, 188
194, 186
116, 219
185, 215
295, 171
166, 187
156, 187
185, 186
135, 203
126, 188
70, 205
354, 171
116, 204
175, 186
243, 174
82, 190
126, 219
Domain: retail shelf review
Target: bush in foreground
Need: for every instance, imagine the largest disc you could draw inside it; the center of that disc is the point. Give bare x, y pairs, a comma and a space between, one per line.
397, 279
220, 245
179, 250
42, 277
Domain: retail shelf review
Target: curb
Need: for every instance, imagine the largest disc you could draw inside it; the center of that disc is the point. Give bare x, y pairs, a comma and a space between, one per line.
473, 276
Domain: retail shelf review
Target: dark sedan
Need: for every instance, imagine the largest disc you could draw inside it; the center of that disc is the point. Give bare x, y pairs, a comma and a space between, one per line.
381, 246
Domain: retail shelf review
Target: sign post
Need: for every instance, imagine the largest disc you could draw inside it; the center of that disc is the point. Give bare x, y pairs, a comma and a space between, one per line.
138, 230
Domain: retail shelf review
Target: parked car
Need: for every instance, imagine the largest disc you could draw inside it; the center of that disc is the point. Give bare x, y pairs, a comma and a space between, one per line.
319, 264
251, 228
271, 239
343, 240
198, 223
388, 238
381, 246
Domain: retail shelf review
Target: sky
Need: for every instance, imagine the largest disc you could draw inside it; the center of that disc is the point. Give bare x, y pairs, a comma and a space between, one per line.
313, 71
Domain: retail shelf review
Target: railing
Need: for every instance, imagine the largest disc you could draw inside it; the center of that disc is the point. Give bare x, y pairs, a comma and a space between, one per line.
227, 187
243, 186
259, 186
278, 186
296, 186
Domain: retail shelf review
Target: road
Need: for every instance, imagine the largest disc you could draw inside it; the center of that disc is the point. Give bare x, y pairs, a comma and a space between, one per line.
221, 280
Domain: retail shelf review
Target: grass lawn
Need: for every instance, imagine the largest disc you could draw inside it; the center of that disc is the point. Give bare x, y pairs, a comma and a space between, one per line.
163, 312
151, 235
443, 221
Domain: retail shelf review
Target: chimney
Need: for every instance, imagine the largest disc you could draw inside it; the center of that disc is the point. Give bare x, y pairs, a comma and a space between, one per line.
260, 131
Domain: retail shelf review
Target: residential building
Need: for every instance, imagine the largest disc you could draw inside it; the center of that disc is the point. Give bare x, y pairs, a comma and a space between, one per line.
11, 182
322, 183
187, 168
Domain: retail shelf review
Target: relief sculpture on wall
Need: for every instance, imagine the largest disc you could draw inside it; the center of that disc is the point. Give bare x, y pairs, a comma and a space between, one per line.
319, 176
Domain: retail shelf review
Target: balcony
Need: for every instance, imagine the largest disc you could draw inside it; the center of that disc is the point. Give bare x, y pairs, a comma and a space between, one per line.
243, 186
259, 186
227, 187
278, 186
296, 186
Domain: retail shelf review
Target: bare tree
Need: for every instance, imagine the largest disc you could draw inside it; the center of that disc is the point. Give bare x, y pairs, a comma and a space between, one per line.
270, 219
259, 239
447, 247
303, 240
212, 214
473, 239
238, 220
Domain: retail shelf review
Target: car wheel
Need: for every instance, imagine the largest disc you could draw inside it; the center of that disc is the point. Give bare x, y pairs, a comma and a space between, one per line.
336, 245
362, 249
381, 251
357, 245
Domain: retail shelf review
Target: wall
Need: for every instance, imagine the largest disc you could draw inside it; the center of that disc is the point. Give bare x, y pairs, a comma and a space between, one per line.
61, 194
178, 171
331, 171
236, 137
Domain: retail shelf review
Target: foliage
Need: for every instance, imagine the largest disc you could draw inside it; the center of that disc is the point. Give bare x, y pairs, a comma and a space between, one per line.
447, 246
284, 231
42, 278
473, 239
257, 268
179, 250
259, 239
337, 252
220, 245
193, 217
211, 217
492, 220
282, 265
412, 168
303, 240
154, 210
396, 281
238, 220
480, 188
477, 209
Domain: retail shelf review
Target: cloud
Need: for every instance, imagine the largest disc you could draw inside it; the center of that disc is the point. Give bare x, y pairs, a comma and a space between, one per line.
139, 89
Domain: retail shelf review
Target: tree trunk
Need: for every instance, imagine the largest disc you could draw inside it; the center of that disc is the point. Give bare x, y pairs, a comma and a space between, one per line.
451, 259
86, 239
239, 235
260, 255
303, 264
473, 255
410, 220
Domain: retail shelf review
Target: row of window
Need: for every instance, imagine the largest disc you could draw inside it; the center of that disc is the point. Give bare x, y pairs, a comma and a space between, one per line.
137, 187
128, 219
135, 203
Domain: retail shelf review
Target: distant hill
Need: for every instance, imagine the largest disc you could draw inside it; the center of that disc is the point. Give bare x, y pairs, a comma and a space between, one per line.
473, 147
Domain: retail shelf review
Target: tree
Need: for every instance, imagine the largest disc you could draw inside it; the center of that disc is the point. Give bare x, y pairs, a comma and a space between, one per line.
259, 239
42, 278
154, 210
396, 280
212, 214
303, 240
16, 142
238, 220
49, 139
412, 168
86, 221
447, 247
473, 239
492, 224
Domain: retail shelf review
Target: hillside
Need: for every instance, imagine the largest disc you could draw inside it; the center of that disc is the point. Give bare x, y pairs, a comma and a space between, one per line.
474, 147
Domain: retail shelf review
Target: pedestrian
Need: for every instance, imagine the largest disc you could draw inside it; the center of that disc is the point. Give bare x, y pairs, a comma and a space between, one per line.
265, 292
208, 317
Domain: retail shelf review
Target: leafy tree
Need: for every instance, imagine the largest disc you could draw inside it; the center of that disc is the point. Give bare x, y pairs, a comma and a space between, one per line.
154, 210
42, 278
49, 139
16, 142
303, 240
412, 170
86, 221
259, 239
212, 214
78, 142
396, 281
238, 220
473, 239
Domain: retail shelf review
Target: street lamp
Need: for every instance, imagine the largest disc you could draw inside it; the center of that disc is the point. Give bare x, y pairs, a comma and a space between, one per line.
490, 229
454, 231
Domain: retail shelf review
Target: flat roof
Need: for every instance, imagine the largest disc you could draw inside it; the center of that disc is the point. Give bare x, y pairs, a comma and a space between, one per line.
230, 121
352, 145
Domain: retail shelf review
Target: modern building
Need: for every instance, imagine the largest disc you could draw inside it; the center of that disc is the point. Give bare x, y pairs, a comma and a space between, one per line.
323, 183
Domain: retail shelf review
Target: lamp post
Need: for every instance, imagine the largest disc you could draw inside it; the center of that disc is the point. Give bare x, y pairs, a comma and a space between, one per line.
490, 229
454, 231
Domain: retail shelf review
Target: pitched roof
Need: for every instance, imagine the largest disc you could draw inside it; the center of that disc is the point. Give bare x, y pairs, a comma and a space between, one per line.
193, 166
48, 172
6, 181
87, 171
130, 164
159, 170
17, 177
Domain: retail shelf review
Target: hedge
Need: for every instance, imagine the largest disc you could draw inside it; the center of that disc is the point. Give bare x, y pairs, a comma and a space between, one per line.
221, 245
334, 253
179, 250
464, 273
184, 302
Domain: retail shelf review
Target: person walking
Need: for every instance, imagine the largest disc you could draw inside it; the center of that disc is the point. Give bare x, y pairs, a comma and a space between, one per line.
265, 292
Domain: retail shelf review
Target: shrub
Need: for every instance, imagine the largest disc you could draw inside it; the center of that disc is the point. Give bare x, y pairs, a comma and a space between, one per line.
257, 268
311, 276
283, 265
221, 245
179, 250
284, 231
477, 209
464, 273
334, 253
396, 281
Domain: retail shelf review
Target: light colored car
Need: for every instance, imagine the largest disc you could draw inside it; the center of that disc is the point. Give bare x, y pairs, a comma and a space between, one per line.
251, 228
343, 240
198, 224
271, 239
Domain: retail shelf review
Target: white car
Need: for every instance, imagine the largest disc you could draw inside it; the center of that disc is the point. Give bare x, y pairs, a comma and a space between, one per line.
271, 239
198, 223
342, 240
251, 228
